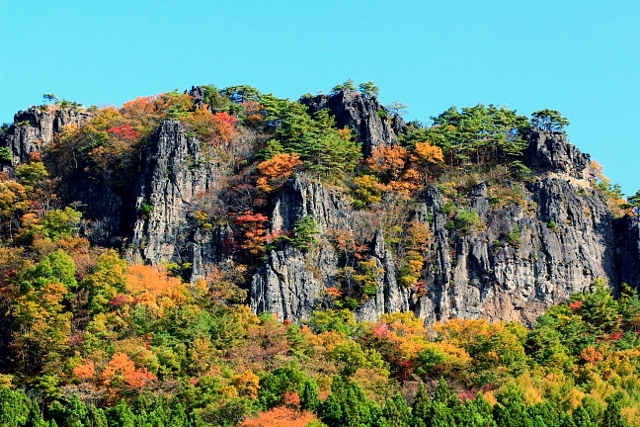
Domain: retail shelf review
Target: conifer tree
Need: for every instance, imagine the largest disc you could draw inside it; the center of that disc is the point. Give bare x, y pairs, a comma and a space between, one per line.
582, 418
396, 412
612, 417
421, 407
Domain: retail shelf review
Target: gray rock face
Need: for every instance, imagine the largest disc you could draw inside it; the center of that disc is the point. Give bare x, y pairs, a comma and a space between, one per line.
174, 174
389, 297
566, 241
549, 152
369, 120
490, 276
34, 128
285, 284
292, 283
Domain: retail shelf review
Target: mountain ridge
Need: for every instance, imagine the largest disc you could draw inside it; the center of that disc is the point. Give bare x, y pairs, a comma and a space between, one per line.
566, 236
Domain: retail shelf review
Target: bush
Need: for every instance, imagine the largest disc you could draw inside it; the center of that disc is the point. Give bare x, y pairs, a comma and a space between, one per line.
514, 237
467, 222
145, 209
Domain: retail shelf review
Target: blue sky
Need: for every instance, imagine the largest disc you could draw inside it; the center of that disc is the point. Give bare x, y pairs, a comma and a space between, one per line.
581, 57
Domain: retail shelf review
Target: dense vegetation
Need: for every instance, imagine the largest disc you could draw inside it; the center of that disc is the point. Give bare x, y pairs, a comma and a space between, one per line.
88, 339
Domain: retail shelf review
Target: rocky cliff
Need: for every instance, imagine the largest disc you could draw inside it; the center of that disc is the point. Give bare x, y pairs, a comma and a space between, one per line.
35, 127
365, 116
565, 239
534, 243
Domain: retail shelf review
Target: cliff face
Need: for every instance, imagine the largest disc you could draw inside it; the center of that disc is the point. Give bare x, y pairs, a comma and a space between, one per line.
566, 240
546, 239
34, 128
173, 175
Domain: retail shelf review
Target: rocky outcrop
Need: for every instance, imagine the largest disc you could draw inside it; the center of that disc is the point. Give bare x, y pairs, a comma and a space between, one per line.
389, 297
173, 176
561, 245
34, 128
151, 217
285, 283
292, 283
526, 258
550, 152
371, 123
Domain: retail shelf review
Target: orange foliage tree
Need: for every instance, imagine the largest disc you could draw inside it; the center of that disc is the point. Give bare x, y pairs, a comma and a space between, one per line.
489, 344
276, 170
152, 287
213, 128
280, 416
121, 371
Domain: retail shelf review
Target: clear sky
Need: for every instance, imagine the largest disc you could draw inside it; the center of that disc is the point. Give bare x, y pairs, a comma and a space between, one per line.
581, 57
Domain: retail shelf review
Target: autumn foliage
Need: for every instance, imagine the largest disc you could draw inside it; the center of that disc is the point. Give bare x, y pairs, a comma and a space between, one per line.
276, 170
253, 229
280, 417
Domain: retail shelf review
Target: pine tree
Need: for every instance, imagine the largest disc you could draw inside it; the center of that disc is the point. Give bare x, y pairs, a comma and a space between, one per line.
582, 418
444, 395
14, 407
396, 412
441, 416
121, 415
421, 407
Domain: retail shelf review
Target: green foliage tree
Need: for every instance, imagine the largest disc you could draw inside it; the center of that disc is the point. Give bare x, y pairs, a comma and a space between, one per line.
544, 346
320, 146
346, 86
346, 405
582, 418
396, 412
634, 203
241, 93
341, 321
55, 224
549, 120
480, 134
397, 108
57, 267
421, 407
599, 308
369, 89
121, 415
303, 231
31, 173
49, 97
612, 417
5, 154
14, 407
444, 395
274, 384
105, 281
309, 398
